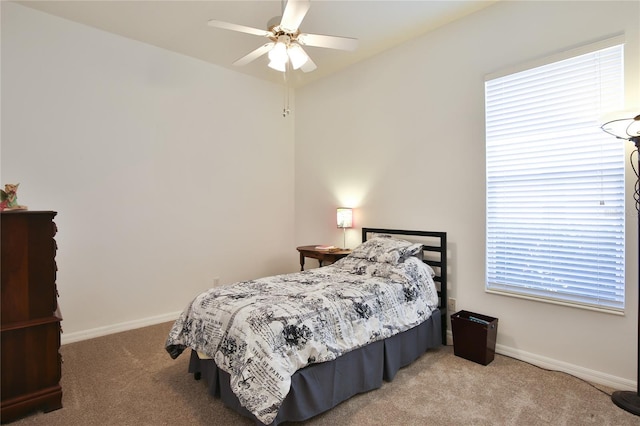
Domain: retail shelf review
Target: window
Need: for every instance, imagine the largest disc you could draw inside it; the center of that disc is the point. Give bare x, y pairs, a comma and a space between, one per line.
555, 181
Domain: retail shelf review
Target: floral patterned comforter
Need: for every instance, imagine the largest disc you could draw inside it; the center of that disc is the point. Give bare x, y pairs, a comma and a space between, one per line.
262, 331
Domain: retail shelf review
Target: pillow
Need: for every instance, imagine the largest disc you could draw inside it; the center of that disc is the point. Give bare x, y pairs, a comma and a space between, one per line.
384, 248
358, 266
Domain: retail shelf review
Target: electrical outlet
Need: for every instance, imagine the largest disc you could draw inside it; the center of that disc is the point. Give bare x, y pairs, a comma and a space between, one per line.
451, 305
216, 281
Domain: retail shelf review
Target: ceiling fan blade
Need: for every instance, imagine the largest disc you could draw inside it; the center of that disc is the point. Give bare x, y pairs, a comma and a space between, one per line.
308, 66
254, 54
240, 28
331, 42
293, 14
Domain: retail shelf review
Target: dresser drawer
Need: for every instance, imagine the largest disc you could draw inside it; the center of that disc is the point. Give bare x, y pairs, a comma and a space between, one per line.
30, 359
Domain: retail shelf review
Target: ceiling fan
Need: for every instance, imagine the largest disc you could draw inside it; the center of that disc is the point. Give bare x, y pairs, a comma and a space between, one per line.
286, 42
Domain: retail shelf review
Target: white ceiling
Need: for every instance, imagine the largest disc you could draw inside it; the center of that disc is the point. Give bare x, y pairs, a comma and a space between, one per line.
181, 26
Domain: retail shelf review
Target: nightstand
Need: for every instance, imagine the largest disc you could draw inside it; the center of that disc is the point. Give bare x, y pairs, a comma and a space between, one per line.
320, 255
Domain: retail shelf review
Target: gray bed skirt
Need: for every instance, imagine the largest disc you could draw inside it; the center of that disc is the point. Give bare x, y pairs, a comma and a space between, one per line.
320, 387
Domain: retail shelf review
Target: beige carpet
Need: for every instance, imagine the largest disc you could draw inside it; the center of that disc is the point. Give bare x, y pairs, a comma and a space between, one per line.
129, 379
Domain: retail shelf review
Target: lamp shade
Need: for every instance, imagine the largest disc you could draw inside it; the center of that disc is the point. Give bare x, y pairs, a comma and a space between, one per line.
279, 51
623, 125
297, 55
278, 66
345, 217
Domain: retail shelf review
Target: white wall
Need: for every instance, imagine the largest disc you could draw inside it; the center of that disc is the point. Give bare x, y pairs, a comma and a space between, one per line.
165, 171
401, 138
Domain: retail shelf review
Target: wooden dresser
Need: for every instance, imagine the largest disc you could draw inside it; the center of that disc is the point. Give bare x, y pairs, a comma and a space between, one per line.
30, 333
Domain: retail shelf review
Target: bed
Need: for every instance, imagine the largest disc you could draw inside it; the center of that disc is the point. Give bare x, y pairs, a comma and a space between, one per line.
289, 347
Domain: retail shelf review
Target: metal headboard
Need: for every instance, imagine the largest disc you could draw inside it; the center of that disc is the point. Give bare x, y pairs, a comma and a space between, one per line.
434, 255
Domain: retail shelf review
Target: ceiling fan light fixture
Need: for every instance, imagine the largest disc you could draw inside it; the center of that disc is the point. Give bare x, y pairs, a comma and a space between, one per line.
297, 55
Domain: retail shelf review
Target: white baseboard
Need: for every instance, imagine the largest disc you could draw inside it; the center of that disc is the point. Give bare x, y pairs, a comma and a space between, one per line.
592, 376
116, 328
617, 383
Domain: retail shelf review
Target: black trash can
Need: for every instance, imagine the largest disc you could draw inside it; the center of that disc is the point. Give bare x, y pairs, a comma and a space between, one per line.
474, 336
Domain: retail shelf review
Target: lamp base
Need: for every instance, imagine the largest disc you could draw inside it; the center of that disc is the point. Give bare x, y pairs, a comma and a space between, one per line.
627, 400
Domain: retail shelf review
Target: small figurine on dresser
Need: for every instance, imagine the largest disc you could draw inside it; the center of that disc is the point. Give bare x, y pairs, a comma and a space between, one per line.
9, 198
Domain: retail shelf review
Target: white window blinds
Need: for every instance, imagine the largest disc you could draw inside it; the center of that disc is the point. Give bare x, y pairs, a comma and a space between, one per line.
555, 182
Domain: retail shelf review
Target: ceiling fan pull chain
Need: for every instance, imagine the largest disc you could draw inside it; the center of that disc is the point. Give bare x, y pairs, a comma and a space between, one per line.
285, 109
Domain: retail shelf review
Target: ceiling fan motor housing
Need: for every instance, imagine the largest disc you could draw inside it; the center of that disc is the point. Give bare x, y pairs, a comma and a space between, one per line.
274, 27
